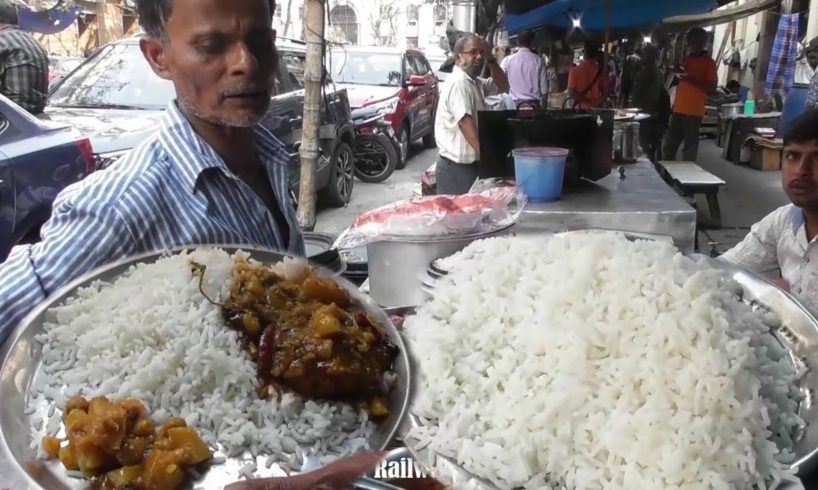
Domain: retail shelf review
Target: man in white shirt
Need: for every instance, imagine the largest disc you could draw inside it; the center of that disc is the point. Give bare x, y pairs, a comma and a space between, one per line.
462, 97
527, 76
785, 240
747, 75
805, 64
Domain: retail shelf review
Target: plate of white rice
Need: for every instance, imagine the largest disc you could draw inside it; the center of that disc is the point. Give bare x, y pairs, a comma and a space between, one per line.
595, 361
142, 329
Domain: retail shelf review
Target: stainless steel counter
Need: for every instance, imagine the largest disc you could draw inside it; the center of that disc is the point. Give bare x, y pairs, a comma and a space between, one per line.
639, 203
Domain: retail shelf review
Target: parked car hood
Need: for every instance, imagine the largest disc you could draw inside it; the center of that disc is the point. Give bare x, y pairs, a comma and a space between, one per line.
109, 130
361, 95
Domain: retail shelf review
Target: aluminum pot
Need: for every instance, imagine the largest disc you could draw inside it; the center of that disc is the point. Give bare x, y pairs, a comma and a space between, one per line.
626, 142
397, 266
729, 111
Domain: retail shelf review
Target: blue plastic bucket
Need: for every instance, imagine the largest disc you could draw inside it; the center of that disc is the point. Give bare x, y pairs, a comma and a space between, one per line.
540, 172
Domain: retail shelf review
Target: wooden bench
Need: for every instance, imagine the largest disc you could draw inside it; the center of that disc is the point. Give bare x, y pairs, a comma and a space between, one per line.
689, 180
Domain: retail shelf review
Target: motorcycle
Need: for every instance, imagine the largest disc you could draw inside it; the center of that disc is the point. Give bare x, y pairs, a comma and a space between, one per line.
376, 146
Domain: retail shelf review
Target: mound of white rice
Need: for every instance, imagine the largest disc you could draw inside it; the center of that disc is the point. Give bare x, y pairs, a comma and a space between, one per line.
594, 362
152, 335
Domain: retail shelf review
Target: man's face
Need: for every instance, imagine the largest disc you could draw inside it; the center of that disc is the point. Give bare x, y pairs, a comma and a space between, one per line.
799, 175
221, 58
812, 58
470, 59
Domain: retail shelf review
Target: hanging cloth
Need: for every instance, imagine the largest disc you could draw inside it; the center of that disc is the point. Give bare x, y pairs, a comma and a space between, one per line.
781, 71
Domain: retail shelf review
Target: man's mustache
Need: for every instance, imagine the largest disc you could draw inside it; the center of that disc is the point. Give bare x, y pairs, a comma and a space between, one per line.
243, 90
801, 182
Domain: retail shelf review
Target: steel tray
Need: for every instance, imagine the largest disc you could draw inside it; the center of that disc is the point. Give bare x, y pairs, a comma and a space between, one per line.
21, 369
798, 333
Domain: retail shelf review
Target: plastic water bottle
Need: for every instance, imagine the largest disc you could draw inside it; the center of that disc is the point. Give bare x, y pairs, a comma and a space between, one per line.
749, 105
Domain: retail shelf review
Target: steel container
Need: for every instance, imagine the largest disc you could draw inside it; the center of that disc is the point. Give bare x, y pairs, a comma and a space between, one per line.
626, 142
397, 266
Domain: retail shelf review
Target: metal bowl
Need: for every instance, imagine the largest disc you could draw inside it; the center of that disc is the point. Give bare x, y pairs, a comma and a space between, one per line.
21, 369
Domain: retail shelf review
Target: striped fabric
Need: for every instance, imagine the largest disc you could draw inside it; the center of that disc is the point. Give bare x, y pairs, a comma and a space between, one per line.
23, 69
781, 70
173, 190
812, 94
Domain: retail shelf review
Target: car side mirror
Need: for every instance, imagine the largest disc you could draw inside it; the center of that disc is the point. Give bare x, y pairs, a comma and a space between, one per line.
417, 81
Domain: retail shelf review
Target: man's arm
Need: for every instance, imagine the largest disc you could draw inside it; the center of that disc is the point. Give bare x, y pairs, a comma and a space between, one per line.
76, 240
498, 76
468, 126
703, 85
572, 84
504, 64
707, 82
21, 84
758, 252
543, 74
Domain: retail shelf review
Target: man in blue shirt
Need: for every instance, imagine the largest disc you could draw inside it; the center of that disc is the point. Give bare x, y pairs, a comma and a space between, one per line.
209, 175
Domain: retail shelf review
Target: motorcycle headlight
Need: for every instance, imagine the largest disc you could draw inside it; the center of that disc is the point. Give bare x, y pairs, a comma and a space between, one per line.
387, 107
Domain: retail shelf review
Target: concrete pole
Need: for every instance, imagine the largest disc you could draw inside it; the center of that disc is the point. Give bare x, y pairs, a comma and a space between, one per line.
313, 74
812, 21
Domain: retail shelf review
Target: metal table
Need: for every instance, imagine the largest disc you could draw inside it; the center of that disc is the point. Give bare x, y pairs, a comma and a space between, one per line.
640, 202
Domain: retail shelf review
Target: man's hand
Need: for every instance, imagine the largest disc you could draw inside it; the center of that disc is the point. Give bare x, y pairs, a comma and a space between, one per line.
487, 53
338, 475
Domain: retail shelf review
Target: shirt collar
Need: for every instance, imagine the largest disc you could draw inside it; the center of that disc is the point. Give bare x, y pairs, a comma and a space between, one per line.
797, 218
459, 72
194, 156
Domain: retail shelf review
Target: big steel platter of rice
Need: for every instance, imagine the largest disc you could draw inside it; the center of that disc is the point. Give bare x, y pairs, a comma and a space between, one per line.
596, 362
157, 335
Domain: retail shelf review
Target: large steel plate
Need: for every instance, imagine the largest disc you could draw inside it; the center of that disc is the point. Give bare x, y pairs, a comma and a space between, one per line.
21, 370
798, 333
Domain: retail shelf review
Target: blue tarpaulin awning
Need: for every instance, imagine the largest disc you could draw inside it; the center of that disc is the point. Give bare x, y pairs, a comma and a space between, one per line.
51, 21
593, 14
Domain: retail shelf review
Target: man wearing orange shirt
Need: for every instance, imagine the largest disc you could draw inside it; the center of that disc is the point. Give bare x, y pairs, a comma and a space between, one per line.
697, 79
587, 81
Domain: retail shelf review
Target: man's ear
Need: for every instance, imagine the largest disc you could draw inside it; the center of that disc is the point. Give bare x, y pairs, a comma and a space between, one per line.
154, 51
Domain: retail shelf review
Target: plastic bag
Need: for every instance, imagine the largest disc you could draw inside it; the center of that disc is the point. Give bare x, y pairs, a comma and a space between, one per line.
482, 212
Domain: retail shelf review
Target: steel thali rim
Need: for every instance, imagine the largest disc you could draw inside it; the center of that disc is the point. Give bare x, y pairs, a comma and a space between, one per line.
15, 471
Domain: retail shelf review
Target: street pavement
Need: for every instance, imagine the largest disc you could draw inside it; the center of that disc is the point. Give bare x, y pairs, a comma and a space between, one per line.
403, 184
748, 196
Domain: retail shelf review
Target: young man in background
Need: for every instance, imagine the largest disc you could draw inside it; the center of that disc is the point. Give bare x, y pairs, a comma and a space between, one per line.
527, 75
697, 79
785, 241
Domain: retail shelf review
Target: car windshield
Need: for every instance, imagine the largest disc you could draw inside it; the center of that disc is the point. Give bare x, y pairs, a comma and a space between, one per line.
436, 63
117, 76
367, 68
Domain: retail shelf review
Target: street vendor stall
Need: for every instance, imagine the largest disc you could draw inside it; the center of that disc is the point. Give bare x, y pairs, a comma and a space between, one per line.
637, 200
633, 198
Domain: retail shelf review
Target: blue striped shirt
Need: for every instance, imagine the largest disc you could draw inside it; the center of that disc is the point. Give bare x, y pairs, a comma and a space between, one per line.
172, 190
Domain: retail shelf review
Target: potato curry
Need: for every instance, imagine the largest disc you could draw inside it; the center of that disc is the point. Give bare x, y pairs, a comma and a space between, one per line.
305, 334
117, 445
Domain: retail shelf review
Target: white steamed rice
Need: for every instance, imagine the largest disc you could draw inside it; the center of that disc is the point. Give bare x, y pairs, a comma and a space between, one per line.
152, 335
594, 362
